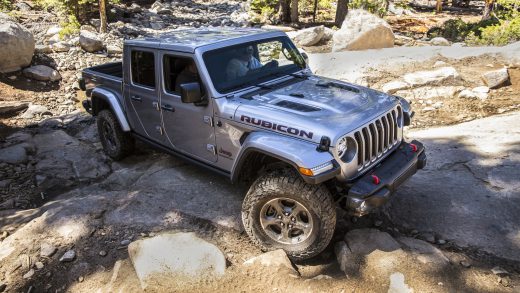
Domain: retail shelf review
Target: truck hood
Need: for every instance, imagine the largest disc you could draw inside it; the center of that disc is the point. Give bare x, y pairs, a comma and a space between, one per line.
315, 107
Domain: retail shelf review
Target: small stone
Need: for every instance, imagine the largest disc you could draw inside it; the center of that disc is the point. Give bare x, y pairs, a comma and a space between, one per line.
465, 264
103, 253
4, 235
47, 249
29, 274
415, 232
496, 78
80, 279
428, 109
39, 265
378, 223
439, 64
504, 281
441, 241
499, 271
125, 242
439, 41
69, 256
440, 284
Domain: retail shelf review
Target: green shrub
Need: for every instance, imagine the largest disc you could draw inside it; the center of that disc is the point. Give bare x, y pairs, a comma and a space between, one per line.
5, 5
378, 7
499, 34
456, 30
70, 27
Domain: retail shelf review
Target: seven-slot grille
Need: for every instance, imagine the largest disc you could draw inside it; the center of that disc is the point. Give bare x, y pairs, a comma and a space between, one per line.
377, 137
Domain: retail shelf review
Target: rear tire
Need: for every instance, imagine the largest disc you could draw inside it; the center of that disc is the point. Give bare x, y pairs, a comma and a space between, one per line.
117, 144
281, 211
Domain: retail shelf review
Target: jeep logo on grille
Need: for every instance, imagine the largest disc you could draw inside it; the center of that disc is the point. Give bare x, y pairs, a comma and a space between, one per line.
277, 127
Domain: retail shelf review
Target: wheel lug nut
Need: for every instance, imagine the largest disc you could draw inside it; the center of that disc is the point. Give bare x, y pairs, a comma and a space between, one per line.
282, 224
293, 219
279, 217
290, 226
286, 214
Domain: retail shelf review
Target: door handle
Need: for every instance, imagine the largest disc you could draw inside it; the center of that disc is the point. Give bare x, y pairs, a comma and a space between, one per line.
167, 107
136, 98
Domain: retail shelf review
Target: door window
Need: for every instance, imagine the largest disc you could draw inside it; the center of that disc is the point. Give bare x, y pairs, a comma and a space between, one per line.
177, 71
143, 68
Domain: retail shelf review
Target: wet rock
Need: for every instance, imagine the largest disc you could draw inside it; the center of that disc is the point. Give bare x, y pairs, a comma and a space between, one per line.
42, 73
439, 41
102, 253
274, 260
496, 78
17, 47
465, 264
68, 256
15, 154
180, 258
428, 237
362, 30
125, 242
90, 41
437, 76
309, 36
12, 107
47, 249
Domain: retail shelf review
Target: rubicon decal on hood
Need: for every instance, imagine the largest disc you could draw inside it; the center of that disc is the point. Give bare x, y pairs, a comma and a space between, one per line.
277, 127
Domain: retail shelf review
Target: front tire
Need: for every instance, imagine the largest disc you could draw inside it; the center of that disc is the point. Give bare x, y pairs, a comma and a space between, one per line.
281, 211
117, 144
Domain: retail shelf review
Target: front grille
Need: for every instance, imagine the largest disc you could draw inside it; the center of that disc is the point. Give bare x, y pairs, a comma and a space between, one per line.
377, 138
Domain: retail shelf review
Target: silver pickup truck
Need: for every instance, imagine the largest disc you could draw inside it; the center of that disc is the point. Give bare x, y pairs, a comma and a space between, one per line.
244, 103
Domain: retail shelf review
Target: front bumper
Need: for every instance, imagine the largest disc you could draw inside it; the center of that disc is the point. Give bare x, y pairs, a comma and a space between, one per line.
376, 187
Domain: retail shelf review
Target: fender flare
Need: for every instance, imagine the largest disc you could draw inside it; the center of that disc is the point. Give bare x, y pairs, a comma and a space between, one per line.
115, 106
295, 152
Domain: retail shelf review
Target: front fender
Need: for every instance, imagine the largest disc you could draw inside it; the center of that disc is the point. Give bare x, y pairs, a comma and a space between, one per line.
296, 152
111, 99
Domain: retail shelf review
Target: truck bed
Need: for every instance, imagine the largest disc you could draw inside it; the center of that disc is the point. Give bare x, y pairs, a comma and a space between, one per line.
108, 76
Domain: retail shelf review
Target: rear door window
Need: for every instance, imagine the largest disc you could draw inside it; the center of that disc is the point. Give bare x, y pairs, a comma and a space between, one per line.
143, 68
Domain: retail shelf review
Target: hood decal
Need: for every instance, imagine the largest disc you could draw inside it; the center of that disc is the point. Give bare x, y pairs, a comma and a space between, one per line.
277, 127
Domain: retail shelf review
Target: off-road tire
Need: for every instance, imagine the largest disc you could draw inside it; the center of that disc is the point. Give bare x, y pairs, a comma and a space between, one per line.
120, 144
286, 183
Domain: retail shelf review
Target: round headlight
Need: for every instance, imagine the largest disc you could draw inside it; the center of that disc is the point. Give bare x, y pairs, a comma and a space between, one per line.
341, 147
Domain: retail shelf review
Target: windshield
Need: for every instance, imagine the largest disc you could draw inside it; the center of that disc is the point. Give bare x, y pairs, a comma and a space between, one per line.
235, 67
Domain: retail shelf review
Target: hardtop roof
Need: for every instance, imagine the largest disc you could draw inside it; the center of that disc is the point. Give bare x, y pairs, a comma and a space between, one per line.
189, 39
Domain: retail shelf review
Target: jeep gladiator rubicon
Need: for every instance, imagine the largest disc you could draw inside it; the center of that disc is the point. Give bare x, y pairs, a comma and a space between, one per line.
244, 103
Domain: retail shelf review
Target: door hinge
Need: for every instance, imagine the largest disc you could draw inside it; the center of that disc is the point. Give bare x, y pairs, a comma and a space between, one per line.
208, 120
159, 129
211, 148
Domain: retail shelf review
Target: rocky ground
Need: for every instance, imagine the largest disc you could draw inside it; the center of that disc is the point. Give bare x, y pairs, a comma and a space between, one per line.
73, 220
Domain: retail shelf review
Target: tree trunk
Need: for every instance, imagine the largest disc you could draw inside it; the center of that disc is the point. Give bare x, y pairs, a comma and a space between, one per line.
341, 12
315, 10
488, 8
438, 8
294, 11
284, 13
103, 16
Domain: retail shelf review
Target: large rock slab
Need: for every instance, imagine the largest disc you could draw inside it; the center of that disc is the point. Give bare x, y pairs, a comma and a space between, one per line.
12, 107
175, 261
430, 92
362, 30
16, 46
309, 36
42, 73
420, 78
424, 251
90, 42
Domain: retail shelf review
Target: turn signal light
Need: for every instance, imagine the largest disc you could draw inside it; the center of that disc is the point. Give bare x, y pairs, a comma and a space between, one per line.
414, 147
305, 171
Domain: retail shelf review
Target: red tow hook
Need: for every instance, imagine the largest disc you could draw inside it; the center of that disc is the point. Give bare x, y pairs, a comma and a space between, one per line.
414, 147
376, 180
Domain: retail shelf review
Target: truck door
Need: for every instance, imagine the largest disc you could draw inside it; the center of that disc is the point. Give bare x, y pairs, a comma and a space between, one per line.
189, 128
141, 92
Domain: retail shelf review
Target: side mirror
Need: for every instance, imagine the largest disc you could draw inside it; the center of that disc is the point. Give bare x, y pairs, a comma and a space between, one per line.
304, 55
191, 93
